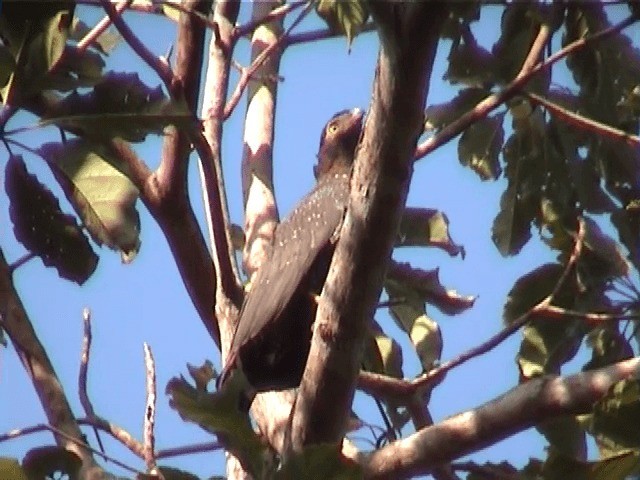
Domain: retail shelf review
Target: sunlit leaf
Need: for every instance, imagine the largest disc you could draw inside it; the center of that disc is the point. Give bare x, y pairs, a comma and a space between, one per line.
43, 228
344, 16
202, 375
382, 353
10, 468
220, 413
618, 467
425, 227
608, 345
616, 411
102, 195
425, 285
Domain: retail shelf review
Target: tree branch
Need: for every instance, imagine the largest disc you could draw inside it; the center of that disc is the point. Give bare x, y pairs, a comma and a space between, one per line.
522, 407
383, 168
14, 321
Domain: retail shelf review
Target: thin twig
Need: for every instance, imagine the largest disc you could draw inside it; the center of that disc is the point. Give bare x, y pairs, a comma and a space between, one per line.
101, 27
83, 371
264, 55
161, 67
240, 31
43, 427
552, 311
583, 122
150, 410
321, 34
189, 449
20, 262
515, 87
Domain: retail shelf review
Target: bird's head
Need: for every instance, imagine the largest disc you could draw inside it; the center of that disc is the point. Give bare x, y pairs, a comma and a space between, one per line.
338, 141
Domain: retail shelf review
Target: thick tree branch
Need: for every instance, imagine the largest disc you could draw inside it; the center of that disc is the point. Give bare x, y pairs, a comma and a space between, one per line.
383, 169
522, 407
14, 321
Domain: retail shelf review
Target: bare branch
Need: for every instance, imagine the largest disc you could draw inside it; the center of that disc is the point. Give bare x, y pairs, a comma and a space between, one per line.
85, 354
522, 407
14, 321
149, 440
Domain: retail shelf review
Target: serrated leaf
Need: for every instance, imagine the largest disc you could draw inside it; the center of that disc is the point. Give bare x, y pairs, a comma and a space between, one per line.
319, 461
102, 195
425, 227
41, 226
45, 462
120, 106
480, 145
10, 468
219, 413
425, 285
440, 115
343, 16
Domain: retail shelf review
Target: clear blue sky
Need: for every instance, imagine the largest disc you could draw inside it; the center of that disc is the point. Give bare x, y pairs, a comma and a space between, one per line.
146, 302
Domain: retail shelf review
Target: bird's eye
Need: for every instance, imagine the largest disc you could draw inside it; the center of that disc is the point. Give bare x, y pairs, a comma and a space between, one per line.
333, 128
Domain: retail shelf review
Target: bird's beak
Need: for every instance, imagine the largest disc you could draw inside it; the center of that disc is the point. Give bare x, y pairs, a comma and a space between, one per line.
357, 115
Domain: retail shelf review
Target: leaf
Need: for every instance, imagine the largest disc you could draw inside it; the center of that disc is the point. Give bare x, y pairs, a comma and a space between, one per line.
603, 258
440, 115
319, 461
10, 468
511, 228
202, 375
219, 413
425, 227
75, 70
119, 106
607, 346
616, 411
618, 467
44, 230
343, 16
470, 64
46, 462
546, 343
480, 145
102, 195
425, 285
382, 353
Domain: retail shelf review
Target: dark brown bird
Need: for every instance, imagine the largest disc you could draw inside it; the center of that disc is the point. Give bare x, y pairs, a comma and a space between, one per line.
272, 340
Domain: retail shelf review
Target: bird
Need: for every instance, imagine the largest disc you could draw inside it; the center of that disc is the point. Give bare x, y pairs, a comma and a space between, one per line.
273, 335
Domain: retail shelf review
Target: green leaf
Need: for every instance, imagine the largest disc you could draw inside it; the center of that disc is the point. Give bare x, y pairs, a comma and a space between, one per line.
40, 225
10, 468
616, 411
202, 375
511, 228
608, 345
382, 353
425, 285
219, 413
425, 227
440, 115
119, 106
604, 257
102, 195
480, 146
618, 467
319, 461
46, 462
343, 16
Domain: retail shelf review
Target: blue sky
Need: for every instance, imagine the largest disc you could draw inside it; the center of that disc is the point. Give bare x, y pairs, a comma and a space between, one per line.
146, 302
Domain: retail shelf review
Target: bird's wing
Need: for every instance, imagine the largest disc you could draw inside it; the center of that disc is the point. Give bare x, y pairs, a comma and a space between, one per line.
298, 241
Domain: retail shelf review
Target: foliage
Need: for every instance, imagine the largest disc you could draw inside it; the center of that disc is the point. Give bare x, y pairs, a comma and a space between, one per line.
568, 185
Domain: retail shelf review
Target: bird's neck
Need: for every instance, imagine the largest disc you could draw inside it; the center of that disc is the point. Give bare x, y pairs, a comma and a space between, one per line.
334, 160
